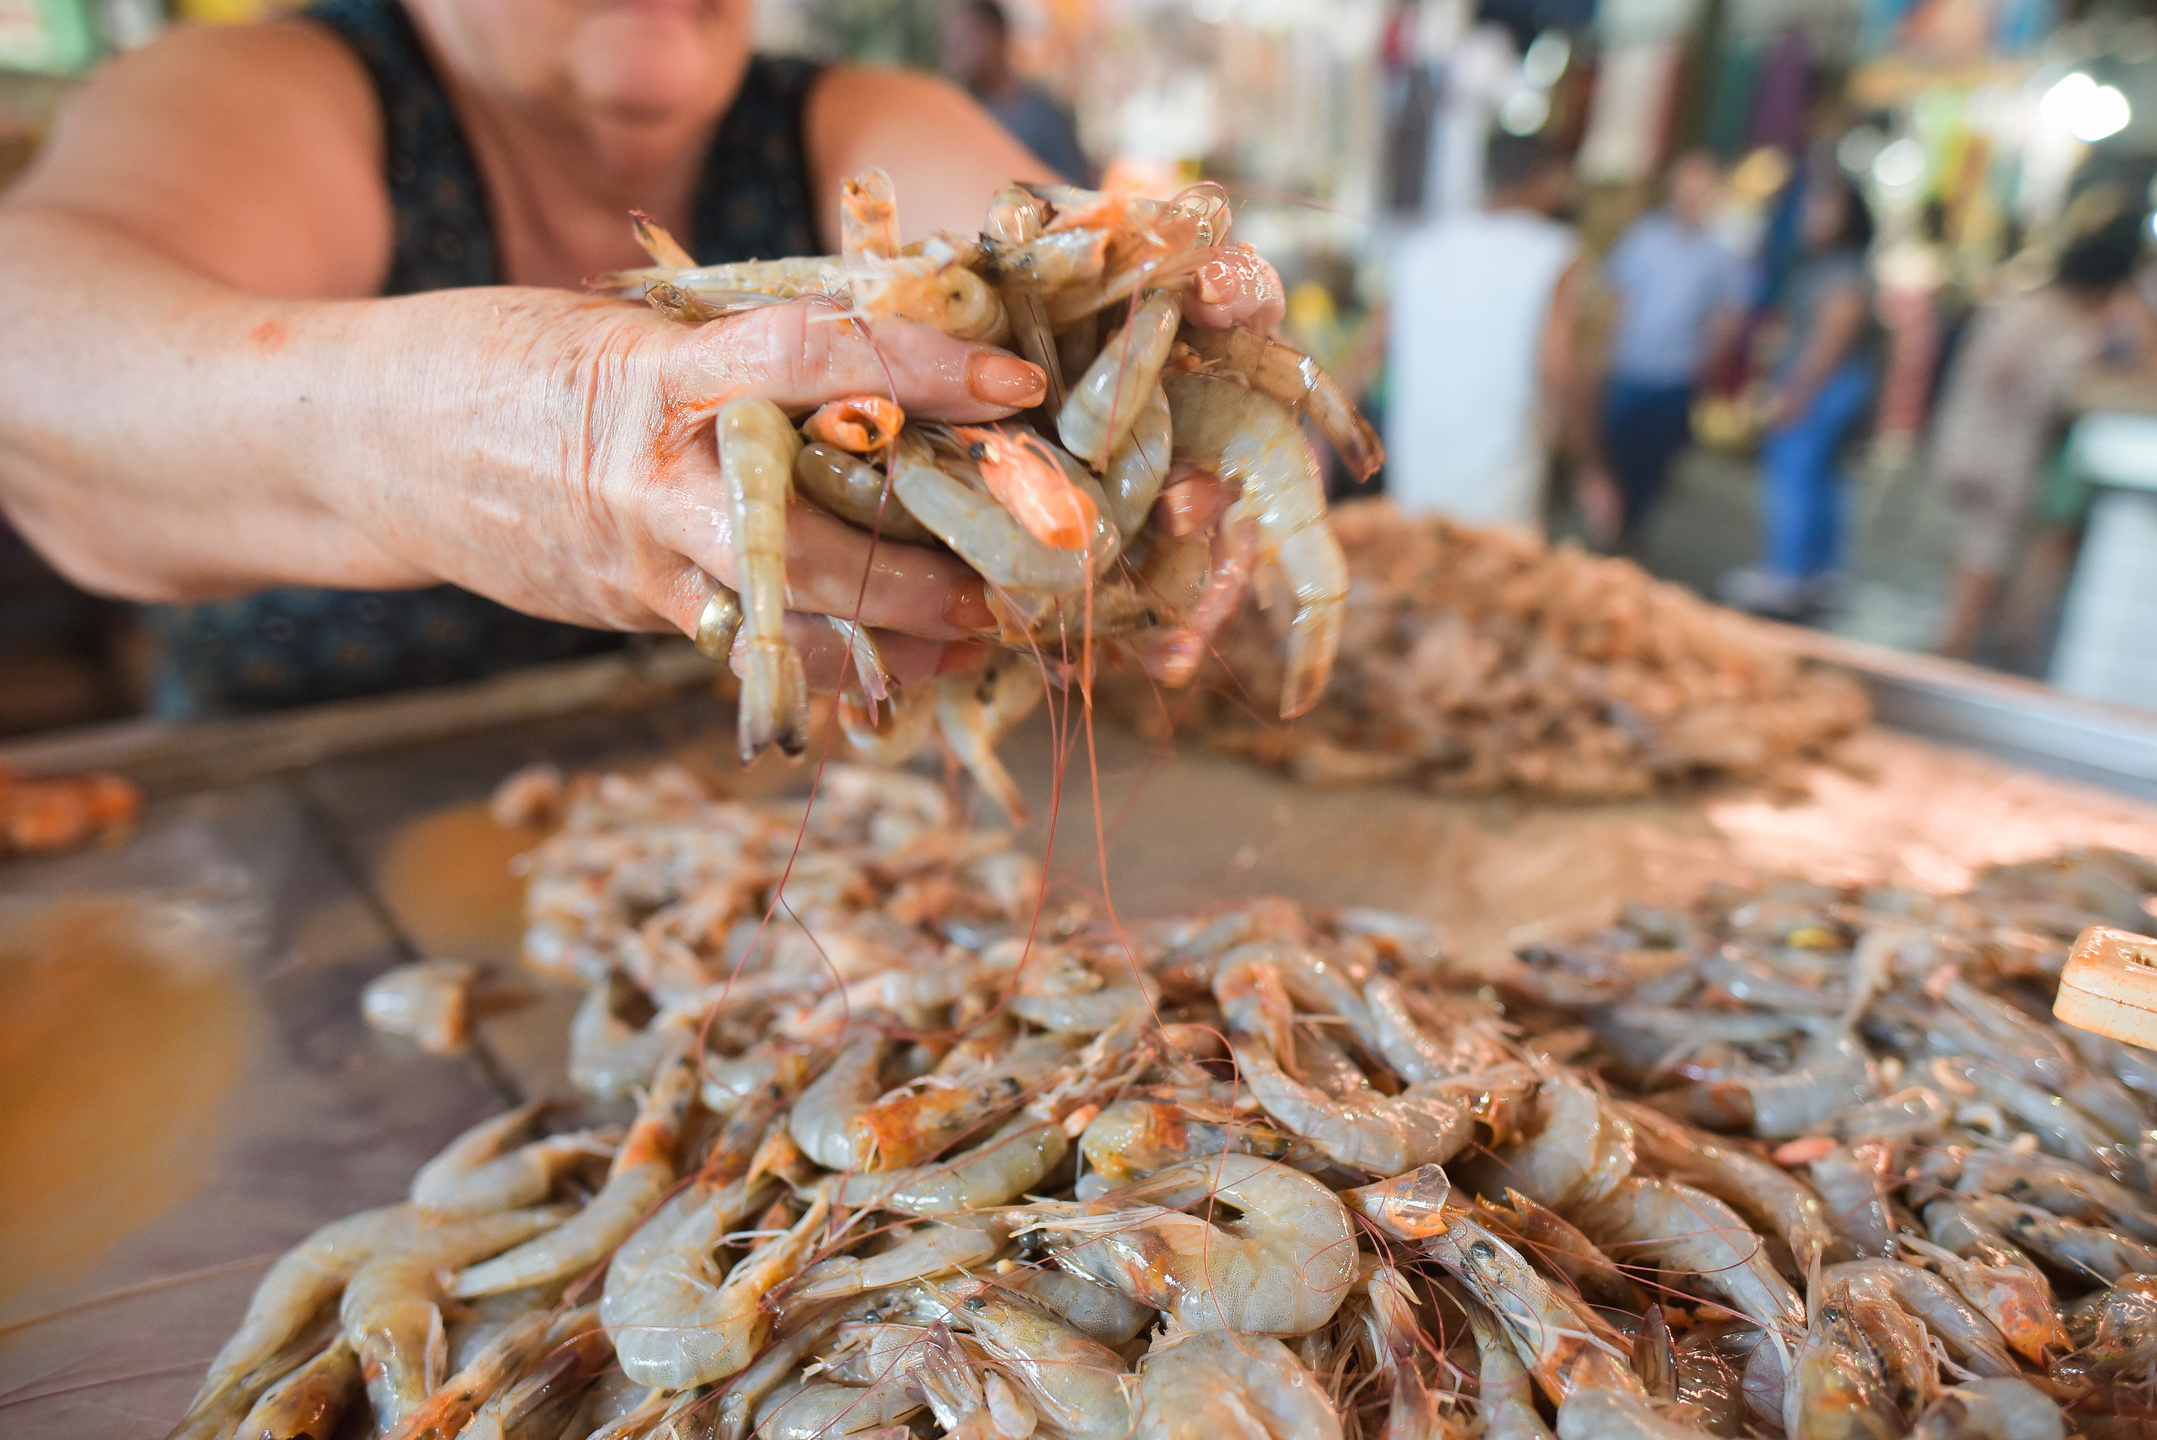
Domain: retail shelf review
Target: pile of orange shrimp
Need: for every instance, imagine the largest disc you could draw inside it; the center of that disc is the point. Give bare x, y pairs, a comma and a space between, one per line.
1127, 510
903, 1151
1483, 660
59, 812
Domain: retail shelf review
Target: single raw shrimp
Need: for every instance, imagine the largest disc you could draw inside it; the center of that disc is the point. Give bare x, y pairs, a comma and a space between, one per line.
1077, 1384
1294, 379
822, 1119
859, 424
505, 1357
1839, 1388
308, 1403
1384, 1134
756, 474
2001, 1408
995, 1172
1615, 1415
1555, 1334
1970, 1337
1683, 1229
1853, 1185
2012, 1294
821, 1410
1108, 1315
975, 711
1407, 1207
1832, 1071
982, 532
975, 1403
391, 1312
1251, 441
933, 288
903, 723
1581, 1152
1176, 657
1109, 399
1027, 479
2103, 1255
225, 1403
305, 1278
1765, 1192
643, 1169
680, 1324
1014, 219
429, 1001
1505, 1396
965, 1242
1282, 1267
1220, 1385
1558, 1243
868, 218
2116, 1329
911, 1125
478, 1171
1135, 1137
857, 492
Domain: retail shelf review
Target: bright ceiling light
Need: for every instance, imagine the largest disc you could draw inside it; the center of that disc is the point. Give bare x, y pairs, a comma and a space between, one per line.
2085, 109
1523, 112
1899, 164
1548, 55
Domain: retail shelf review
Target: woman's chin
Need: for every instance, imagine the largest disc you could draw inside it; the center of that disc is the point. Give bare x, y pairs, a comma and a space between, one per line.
657, 62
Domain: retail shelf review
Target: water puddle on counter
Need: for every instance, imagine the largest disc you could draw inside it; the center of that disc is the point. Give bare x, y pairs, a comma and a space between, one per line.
446, 878
124, 1028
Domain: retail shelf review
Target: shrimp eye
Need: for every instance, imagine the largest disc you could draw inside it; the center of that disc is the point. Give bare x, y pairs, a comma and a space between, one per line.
976, 1304
979, 450
1482, 1250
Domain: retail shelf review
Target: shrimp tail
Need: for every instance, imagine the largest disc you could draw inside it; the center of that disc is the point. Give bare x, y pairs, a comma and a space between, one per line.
774, 700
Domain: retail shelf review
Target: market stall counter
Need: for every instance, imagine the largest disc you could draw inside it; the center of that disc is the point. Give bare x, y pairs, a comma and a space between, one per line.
190, 1088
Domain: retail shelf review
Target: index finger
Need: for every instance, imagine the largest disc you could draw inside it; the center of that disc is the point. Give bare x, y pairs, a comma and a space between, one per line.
801, 354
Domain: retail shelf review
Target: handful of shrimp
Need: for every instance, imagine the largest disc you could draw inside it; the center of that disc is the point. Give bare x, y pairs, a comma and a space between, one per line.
1061, 510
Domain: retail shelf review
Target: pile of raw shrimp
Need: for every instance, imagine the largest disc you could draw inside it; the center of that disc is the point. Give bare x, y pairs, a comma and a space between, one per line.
1481, 660
1127, 509
914, 1154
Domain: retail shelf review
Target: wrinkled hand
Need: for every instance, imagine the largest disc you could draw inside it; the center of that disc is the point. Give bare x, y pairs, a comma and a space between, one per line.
589, 486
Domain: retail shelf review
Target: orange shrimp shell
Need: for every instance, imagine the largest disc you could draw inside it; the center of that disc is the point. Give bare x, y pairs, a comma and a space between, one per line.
1028, 480
859, 423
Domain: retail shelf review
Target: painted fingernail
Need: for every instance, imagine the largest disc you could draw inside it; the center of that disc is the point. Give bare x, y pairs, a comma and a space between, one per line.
994, 378
966, 607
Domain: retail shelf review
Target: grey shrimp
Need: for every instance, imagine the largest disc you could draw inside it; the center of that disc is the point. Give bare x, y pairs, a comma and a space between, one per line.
1251, 441
643, 1169
757, 444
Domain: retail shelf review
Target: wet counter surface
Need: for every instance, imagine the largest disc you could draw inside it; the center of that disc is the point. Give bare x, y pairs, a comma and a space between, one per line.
186, 1088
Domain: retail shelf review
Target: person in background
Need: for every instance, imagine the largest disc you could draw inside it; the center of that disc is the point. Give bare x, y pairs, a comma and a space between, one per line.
1483, 352
1680, 297
2001, 410
1821, 389
977, 54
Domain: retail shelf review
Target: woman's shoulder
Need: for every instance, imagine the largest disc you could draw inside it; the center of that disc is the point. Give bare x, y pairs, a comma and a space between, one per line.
251, 151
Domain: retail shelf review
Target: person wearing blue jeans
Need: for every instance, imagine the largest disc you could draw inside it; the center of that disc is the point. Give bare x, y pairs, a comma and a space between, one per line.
1679, 294
1802, 480
1823, 388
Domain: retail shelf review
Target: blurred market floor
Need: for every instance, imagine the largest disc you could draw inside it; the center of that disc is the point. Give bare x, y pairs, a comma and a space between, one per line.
1901, 549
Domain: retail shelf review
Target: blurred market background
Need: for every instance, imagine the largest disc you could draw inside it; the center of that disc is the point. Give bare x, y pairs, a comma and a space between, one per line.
2003, 151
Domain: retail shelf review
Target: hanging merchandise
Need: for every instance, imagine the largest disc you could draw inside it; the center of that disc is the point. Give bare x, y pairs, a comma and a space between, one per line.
53, 37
